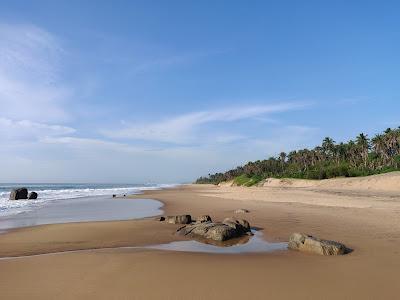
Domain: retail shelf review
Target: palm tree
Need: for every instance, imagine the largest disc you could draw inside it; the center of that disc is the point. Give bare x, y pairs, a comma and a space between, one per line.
378, 146
282, 159
328, 146
371, 155
363, 142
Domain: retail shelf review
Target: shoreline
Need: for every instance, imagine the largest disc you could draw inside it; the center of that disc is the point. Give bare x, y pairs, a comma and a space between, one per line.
50, 194
83, 209
372, 232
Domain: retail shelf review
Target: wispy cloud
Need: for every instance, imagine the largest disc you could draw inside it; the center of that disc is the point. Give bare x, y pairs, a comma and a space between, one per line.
79, 143
26, 129
30, 60
180, 129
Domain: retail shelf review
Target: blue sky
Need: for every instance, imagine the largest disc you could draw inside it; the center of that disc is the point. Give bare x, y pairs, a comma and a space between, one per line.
133, 91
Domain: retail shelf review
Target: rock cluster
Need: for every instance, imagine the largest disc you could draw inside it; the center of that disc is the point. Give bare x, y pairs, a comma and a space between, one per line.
22, 194
203, 228
308, 243
230, 228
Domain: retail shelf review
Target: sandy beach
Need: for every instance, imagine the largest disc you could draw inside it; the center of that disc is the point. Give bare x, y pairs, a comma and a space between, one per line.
366, 220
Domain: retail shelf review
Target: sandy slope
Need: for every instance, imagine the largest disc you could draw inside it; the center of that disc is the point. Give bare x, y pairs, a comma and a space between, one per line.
368, 222
378, 191
389, 182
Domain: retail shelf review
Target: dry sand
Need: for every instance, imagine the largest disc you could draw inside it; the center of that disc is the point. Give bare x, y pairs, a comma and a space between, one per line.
367, 220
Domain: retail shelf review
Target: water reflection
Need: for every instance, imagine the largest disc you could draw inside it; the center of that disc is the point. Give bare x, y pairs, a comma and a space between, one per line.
247, 244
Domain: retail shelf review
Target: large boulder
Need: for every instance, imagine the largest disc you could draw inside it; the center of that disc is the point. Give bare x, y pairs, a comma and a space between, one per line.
32, 195
21, 193
181, 219
227, 230
308, 243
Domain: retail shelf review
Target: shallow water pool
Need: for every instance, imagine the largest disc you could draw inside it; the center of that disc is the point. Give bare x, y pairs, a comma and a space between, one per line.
250, 244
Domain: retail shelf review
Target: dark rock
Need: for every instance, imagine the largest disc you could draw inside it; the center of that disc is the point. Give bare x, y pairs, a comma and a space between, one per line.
181, 219
32, 195
21, 193
114, 195
216, 231
308, 243
238, 224
161, 219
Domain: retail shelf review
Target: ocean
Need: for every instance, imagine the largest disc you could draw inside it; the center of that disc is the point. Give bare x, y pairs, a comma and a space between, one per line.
54, 192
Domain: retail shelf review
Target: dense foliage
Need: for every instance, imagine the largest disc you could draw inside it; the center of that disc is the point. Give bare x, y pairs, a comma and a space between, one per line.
359, 157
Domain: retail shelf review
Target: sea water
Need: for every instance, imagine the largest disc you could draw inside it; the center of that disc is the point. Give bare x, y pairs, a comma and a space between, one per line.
65, 203
59, 192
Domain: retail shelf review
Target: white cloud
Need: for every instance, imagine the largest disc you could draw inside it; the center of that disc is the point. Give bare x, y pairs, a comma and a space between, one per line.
67, 158
78, 143
33, 101
181, 129
25, 129
30, 62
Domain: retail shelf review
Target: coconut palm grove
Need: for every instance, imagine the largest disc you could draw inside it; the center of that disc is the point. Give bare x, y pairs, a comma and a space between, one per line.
359, 157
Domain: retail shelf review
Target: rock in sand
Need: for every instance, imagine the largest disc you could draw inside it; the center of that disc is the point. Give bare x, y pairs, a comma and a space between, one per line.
308, 243
204, 218
241, 211
180, 219
229, 229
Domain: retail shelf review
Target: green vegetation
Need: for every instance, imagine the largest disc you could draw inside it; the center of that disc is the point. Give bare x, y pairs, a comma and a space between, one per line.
246, 180
359, 157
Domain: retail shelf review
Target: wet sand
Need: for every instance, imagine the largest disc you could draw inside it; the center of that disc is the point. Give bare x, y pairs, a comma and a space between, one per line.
366, 222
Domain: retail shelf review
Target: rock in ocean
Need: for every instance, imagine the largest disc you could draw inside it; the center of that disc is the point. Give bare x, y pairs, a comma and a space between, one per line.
21, 193
32, 195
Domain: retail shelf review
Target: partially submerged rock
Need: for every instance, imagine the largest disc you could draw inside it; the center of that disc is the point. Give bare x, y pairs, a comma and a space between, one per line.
204, 218
181, 219
32, 195
308, 243
21, 193
241, 211
229, 229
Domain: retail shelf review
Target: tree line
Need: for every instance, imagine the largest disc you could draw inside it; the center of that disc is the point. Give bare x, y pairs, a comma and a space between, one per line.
361, 156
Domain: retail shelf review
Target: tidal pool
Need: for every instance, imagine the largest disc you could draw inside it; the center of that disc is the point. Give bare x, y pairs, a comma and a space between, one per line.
249, 244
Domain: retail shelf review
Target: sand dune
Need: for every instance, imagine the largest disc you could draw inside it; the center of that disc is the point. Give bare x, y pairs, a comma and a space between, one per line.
378, 191
389, 182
